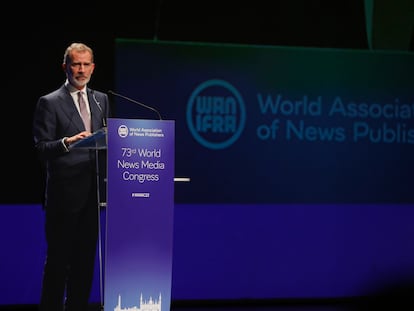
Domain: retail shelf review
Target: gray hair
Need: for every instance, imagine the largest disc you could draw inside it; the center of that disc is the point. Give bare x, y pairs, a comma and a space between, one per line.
76, 46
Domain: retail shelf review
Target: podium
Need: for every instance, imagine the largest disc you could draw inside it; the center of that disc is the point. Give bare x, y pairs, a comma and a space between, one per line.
139, 212
139, 218
97, 142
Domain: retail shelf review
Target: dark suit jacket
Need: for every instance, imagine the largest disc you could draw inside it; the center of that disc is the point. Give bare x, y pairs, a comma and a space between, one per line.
69, 175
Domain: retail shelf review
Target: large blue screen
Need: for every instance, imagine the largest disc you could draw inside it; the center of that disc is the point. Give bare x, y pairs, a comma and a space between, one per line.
278, 124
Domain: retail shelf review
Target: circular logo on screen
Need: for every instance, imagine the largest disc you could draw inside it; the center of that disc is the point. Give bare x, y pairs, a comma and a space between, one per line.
216, 114
123, 131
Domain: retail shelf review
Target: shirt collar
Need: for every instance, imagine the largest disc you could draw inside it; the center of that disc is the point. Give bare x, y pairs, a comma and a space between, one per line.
73, 89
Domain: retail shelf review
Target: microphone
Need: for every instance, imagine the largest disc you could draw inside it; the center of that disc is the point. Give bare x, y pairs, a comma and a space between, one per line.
136, 102
100, 108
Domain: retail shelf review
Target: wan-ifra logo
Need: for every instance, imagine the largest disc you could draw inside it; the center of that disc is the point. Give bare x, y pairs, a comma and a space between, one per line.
123, 131
216, 114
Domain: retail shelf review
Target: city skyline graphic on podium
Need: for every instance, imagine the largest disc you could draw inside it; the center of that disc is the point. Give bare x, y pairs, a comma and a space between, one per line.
144, 305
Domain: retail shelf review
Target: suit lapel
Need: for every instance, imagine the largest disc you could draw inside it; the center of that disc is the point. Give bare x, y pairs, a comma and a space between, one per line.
95, 112
69, 108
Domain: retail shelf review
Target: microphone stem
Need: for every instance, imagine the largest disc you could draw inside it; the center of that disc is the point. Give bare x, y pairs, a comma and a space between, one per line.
137, 102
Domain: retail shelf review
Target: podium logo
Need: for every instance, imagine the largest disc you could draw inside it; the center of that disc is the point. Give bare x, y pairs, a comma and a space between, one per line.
123, 131
216, 114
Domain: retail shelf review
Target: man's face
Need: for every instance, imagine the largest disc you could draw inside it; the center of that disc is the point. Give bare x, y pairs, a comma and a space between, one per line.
79, 70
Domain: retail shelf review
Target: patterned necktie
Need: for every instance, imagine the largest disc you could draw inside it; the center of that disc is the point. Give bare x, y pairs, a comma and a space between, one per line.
84, 112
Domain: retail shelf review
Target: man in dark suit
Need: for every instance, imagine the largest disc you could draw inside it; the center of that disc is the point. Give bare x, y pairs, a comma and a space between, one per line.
71, 189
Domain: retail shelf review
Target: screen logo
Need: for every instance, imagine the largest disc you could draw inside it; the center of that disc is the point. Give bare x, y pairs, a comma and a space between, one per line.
216, 114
